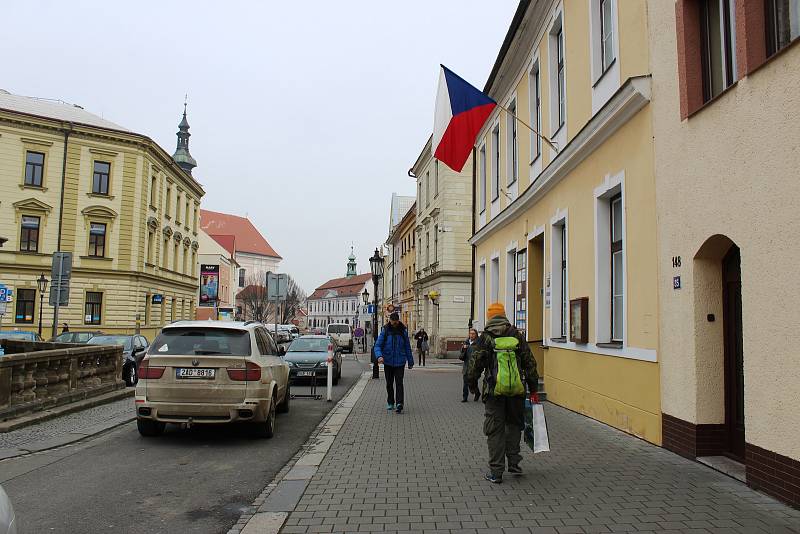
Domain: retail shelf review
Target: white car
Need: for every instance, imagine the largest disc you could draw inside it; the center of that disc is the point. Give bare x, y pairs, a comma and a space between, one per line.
8, 524
342, 335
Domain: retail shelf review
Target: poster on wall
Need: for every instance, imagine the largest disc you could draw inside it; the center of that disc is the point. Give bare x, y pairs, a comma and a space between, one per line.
209, 284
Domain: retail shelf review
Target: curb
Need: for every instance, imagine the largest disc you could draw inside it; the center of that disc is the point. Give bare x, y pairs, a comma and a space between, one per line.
38, 417
272, 507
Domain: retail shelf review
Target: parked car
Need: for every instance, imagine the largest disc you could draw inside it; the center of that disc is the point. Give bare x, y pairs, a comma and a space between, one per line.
133, 351
307, 356
22, 335
210, 372
8, 523
74, 337
342, 335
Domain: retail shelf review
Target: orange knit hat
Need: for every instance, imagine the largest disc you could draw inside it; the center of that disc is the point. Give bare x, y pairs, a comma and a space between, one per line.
494, 310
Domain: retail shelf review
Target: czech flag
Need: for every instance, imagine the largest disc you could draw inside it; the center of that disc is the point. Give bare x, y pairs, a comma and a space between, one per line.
461, 111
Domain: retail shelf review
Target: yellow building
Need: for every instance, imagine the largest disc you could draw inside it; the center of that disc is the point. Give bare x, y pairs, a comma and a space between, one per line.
402, 241
566, 236
124, 208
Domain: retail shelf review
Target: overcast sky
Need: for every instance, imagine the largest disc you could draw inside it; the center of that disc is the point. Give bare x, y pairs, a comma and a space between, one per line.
305, 116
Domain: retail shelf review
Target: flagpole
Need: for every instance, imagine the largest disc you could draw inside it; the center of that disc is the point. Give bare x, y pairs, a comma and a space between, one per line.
546, 140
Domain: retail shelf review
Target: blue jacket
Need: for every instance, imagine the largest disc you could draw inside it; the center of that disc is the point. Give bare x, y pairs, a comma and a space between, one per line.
394, 347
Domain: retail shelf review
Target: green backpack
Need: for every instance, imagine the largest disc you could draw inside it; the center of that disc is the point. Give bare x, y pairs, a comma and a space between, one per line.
509, 381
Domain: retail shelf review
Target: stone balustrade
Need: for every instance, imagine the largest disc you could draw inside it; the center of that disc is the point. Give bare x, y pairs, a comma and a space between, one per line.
36, 376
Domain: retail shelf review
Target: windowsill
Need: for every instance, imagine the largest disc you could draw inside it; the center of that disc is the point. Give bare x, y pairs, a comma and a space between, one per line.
167, 217
603, 74
712, 100
30, 252
558, 339
100, 195
34, 187
610, 345
101, 258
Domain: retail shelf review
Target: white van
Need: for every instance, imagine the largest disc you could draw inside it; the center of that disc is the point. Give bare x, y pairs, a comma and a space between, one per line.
342, 335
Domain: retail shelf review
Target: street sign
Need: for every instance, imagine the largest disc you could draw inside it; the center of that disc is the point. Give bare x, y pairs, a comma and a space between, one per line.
370, 309
59, 278
277, 286
3, 296
358, 332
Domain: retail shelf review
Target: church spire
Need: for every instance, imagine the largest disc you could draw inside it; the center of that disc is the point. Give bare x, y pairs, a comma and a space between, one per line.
351, 264
182, 156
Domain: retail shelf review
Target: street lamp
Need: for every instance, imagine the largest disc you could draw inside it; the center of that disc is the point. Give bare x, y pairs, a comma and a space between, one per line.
42, 283
365, 298
376, 265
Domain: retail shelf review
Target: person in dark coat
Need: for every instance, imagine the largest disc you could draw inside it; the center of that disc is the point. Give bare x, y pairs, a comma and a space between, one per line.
422, 345
393, 350
466, 354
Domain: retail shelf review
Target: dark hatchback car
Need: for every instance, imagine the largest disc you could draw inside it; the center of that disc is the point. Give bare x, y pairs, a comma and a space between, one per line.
74, 337
307, 357
134, 348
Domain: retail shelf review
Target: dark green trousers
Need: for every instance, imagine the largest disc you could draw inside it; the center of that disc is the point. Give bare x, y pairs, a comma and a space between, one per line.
503, 426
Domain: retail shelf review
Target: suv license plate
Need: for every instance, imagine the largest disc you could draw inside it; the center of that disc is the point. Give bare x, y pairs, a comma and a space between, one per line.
190, 372
305, 373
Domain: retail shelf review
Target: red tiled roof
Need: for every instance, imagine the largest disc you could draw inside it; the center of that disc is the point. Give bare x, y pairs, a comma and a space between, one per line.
252, 291
345, 287
248, 238
228, 242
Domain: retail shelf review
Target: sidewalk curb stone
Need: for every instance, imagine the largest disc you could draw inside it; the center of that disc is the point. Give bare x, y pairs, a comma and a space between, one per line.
299, 470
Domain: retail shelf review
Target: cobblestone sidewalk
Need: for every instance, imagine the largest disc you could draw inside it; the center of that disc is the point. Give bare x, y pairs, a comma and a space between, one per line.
422, 472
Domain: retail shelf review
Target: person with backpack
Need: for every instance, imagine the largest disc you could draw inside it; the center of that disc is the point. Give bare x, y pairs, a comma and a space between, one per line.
393, 350
422, 345
506, 362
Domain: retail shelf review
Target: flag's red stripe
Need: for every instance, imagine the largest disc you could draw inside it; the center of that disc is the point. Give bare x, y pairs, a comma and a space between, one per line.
459, 137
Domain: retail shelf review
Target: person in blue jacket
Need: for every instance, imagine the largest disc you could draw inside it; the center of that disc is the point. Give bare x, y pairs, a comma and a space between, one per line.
393, 350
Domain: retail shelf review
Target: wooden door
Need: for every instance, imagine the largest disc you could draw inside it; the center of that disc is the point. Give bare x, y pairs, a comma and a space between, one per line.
734, 354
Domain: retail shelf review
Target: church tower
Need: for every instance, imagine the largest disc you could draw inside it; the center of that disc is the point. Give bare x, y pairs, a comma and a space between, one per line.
182, 156
351, 264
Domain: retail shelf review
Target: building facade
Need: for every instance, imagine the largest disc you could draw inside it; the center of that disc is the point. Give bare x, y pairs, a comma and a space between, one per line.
402, 242
442, 281
125, 209
254, 255
565, 223
217, 267
726, 161
339, 300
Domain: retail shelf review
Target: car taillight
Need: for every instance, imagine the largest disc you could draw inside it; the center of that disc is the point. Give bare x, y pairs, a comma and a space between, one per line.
149, 373
330, 348
251, 372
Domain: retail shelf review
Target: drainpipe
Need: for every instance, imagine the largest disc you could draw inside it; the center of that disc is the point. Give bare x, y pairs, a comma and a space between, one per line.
472, 278
67, 131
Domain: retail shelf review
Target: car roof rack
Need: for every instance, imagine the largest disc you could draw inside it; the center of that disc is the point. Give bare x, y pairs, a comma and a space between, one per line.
250, 322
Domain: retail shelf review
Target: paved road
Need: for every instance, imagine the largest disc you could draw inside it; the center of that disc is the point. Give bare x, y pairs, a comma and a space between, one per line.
185, 481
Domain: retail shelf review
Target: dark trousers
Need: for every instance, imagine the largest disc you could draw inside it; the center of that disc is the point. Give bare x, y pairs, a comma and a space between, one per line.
503, 426
466, 390
394, 378
421, 355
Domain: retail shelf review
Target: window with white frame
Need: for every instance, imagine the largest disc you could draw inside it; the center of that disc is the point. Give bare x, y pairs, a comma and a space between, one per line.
428, 188
535, 85
559, 280
606, 33
617, 270
610, 262
482, 294
512, 152
494, 284
521, 292
482, 163
495, 162
558, 88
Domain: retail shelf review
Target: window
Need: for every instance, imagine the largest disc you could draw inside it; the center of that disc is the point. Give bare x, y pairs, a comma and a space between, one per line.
782, 21
606, 34
168, 200
536, 111
521, 296
26, 303
494, 287
100, 177
29, 234
185, 261
718, 35
560, 81
428, 188
482, 295
482, 187
511, 129
495, 163
420, 198
559, 280
97, 240
153, 183
165, 254
435, 243
511, 283
194, 218
617, 270
427, 248
149, 247
34, 168
436, 179
241, 277
177, 206
175, 257
93, 309
186, 213
563, 275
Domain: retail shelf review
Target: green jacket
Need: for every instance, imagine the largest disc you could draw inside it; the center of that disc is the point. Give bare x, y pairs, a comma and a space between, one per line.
483, 359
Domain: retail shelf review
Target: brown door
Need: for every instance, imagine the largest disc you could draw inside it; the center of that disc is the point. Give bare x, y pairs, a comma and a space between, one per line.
734, 356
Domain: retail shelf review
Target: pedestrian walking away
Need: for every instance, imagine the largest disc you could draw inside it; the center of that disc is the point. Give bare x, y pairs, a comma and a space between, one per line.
469, 346
393, 350
422, 345
503, 357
